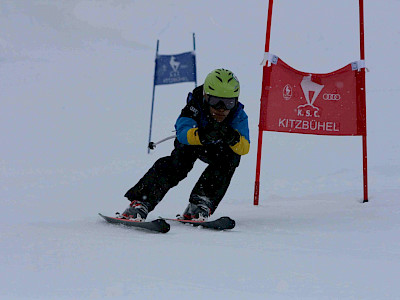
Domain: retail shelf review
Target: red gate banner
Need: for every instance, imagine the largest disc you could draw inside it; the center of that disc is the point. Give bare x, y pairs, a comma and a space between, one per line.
299, 102
325, 104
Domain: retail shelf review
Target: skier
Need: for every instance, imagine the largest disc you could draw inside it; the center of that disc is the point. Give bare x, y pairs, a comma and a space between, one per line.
212, 127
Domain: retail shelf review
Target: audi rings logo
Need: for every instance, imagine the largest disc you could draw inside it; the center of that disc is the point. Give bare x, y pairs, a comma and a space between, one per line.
331, 97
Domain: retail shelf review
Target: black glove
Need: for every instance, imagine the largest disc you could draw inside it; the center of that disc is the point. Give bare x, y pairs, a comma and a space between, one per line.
229, 135
210, 134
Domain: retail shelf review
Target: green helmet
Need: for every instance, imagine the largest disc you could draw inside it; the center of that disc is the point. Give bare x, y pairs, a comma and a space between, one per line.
222, 83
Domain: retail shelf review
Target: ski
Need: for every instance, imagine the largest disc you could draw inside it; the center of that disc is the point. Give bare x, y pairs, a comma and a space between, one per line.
222, 223
158, 225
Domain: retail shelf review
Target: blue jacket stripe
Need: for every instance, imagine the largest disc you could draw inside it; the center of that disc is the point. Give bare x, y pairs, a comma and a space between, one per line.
182, 126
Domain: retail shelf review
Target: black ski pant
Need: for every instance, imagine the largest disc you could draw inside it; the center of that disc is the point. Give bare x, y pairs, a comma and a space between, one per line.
168, 171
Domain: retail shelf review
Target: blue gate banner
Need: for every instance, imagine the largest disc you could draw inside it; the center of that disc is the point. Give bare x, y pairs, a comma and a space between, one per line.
175, 68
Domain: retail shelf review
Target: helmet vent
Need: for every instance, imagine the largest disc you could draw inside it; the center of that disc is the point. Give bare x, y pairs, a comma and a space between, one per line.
221, 83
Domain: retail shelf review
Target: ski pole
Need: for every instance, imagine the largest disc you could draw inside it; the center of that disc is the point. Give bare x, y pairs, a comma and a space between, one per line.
153, 145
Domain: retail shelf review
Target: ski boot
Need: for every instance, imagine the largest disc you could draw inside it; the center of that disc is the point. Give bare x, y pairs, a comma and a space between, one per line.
137, 211
197, 212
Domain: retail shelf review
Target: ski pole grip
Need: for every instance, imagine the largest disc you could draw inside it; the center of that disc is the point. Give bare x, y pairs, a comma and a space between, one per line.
153, 145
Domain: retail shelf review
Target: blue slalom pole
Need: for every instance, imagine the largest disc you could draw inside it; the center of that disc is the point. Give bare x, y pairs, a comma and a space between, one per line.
195, 71
152, 101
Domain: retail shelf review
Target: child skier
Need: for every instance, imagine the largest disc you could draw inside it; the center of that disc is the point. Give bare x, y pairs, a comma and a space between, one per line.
212, 127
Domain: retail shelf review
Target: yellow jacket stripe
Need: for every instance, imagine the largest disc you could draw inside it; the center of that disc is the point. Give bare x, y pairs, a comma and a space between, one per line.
242, 147
193, 137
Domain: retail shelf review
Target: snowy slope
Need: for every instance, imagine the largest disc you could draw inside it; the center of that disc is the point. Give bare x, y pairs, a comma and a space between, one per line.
75, 91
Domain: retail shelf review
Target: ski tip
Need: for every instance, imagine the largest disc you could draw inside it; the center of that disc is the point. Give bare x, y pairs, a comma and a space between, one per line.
227, 218
233, 224
230, 223
164, 226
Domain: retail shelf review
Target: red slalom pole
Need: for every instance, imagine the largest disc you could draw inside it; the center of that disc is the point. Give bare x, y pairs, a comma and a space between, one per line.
363, 99
260, 131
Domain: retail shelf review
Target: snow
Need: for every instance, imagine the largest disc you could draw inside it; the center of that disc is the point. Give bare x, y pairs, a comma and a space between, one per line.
75, 88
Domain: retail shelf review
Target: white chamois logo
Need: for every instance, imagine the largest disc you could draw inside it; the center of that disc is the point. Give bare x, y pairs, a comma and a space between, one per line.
174, 64
309, 86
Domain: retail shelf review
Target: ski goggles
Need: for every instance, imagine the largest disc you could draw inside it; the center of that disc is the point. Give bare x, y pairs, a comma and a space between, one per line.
218, 102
